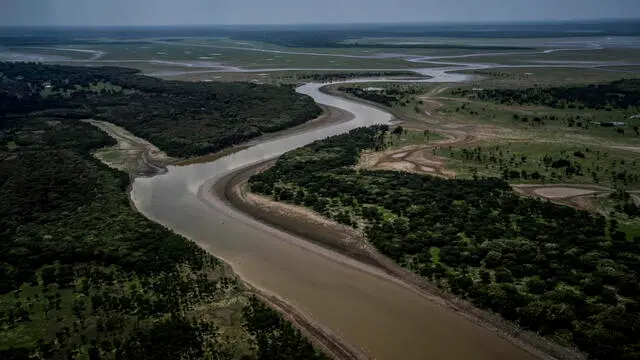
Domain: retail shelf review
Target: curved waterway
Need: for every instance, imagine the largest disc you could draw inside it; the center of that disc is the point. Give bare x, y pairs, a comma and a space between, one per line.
381, 317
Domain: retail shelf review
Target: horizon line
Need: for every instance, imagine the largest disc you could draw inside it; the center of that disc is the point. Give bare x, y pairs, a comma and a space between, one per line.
447, 22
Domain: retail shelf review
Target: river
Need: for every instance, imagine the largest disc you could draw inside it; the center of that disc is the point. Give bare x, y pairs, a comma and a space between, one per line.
379, 316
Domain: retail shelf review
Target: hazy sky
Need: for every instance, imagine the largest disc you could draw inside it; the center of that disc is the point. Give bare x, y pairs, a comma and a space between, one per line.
172, 12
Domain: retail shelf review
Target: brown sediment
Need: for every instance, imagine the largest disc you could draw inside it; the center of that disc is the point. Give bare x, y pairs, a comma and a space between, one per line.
132, 154
578, 196
322, 338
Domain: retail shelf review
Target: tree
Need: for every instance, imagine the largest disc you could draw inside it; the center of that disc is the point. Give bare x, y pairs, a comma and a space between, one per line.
535, 285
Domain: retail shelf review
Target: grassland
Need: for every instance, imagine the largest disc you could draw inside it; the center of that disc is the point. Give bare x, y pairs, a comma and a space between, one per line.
431, 103
52, 50
545, 162
192, 53
522, 144
406, 137
360, 51
544, 123
541, 76
596, 55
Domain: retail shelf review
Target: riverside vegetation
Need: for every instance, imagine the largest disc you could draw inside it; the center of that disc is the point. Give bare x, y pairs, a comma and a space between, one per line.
567, 274
82, 274
183, 119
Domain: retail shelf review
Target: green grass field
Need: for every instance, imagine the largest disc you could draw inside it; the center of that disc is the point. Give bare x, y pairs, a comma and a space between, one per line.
411, 137
540, 122
232, 57
540, 162
553, 76
394, 49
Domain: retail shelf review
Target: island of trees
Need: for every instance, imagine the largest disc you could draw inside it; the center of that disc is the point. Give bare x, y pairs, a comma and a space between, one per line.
619, 94
566, 274
342, 75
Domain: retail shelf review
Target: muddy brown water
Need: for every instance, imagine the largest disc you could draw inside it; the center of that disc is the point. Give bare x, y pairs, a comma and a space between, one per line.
379, 316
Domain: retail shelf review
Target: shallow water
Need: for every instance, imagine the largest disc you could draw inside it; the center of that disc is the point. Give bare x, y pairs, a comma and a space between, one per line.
379, 316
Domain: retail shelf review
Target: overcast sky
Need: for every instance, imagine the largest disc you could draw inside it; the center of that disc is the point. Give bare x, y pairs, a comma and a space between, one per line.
184, 12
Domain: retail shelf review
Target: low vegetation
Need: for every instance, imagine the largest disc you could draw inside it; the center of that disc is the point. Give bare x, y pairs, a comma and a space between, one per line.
533, 162
620, 94
567, 274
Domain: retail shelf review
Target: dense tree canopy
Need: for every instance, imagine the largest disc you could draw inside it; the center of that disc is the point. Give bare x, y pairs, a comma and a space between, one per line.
182, 118
564, 273
82, 274
620, 94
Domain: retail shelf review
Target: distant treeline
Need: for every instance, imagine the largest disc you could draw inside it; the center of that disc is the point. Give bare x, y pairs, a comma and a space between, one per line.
386, 96
620, 94
335, 39
45, 40
332, 76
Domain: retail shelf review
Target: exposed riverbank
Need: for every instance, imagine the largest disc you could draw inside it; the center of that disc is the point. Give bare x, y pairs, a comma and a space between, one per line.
350, 242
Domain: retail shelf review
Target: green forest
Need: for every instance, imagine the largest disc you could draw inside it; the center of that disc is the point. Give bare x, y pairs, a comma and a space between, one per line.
182, 118
566, 274
82, 274
619, 94
387, 96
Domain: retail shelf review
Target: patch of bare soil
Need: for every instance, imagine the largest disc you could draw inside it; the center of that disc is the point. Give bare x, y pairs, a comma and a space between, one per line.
413, 158
131, 154
322, 338
397, 166
561, 192
628, 148
577, 196
399, 155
